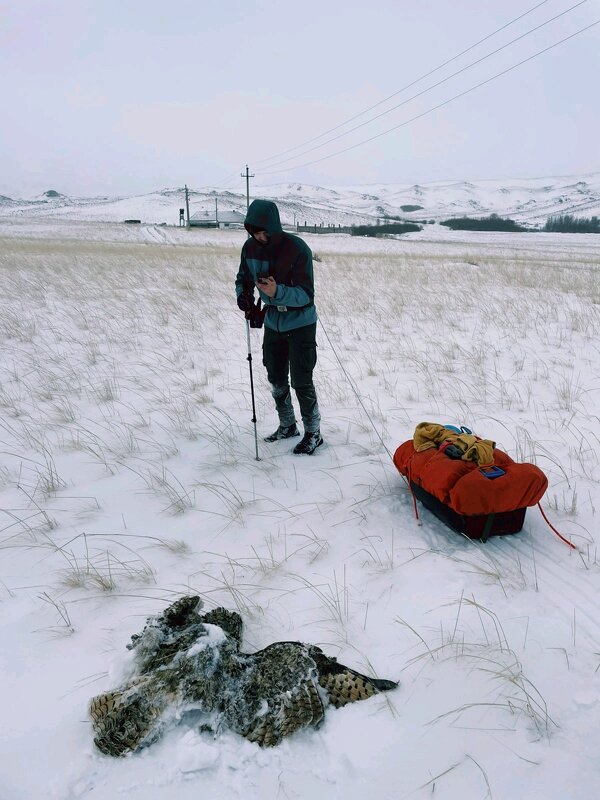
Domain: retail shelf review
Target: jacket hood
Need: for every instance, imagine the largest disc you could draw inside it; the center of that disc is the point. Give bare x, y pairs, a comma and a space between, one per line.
264, 214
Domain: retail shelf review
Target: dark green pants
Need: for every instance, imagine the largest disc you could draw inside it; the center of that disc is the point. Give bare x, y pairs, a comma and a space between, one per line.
293, 354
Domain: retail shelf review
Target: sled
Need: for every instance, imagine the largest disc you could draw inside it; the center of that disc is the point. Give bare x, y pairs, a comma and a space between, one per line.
478, 502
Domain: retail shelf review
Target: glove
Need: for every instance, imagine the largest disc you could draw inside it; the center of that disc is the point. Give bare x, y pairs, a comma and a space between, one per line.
245, 302
256, 315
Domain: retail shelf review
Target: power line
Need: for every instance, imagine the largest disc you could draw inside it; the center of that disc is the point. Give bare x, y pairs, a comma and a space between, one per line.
435, 108
404, 88
428, 89
227, 183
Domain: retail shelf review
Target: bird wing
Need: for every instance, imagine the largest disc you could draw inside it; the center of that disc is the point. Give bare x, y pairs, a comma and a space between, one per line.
288, 712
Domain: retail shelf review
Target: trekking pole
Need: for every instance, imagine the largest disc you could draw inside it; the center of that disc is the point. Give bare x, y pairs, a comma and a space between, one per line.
252, 388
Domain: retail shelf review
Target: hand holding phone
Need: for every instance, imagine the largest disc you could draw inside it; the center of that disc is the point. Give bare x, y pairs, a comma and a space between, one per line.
267, 285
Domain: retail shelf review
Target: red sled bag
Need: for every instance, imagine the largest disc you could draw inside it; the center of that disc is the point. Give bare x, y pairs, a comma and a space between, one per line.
478, 502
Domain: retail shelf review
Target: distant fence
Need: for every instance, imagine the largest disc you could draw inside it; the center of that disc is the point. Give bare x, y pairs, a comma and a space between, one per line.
323, 229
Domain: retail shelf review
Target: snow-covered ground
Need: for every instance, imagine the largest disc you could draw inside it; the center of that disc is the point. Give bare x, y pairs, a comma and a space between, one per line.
128, 477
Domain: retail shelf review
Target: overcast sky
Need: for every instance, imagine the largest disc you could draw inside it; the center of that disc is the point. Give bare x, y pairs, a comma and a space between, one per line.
127, 96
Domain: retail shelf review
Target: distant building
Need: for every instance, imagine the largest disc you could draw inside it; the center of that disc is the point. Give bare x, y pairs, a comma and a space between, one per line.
225, 219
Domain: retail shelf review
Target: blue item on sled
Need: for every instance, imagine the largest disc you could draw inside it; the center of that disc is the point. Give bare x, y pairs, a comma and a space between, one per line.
492, 472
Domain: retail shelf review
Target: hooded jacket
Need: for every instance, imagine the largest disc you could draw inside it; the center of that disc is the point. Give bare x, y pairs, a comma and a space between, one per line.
288, 260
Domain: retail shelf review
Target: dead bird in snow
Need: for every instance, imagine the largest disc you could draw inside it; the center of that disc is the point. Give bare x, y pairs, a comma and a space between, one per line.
187, 661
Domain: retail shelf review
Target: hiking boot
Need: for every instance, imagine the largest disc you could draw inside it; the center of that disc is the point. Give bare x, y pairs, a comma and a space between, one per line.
283, 433
310, 441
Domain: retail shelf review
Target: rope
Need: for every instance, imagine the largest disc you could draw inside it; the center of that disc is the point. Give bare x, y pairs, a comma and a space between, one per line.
355, 390
414, 497
362, 405
552, 528
383, 444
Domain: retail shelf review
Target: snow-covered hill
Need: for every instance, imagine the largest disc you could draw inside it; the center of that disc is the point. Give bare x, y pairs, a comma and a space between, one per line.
529, 201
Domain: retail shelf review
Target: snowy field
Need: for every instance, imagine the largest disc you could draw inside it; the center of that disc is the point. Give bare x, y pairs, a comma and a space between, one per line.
128, 478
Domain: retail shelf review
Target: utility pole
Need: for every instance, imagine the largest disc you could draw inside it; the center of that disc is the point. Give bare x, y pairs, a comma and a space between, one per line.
216, 211
187, 206
247, 175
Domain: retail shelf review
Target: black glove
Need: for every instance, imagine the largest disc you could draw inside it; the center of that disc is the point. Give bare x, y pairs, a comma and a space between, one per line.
245, 302
452, 451
256, 316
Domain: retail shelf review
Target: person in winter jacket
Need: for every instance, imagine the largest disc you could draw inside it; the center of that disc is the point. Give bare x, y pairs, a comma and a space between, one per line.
279, 266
